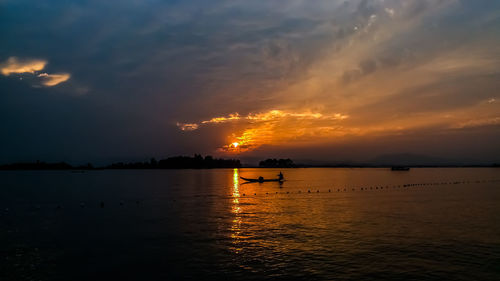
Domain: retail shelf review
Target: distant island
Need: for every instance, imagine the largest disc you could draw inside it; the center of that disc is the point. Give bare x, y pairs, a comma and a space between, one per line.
277, 163
178, 162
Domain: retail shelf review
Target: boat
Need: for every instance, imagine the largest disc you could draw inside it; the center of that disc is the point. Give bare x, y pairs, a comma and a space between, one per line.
261, 180
399, 168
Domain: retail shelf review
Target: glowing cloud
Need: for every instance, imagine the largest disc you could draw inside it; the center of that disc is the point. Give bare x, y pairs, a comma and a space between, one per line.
50, 80
274, 115
14, 65
274, 127
231, 117
187, 126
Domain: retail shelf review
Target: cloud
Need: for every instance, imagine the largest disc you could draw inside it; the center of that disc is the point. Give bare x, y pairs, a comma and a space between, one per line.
231, 117
187, 126
271, 115
50, 80
478, 123
389, 11
13, 66
274, 127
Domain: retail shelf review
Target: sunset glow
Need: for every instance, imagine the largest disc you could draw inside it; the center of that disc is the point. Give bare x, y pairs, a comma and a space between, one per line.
275, 126
342, 79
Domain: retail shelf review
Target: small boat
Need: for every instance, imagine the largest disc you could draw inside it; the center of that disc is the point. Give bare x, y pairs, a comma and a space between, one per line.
261, 180
398, 168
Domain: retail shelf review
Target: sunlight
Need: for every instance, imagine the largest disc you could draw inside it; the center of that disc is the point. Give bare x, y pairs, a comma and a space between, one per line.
275, 126
236, 210
236, 192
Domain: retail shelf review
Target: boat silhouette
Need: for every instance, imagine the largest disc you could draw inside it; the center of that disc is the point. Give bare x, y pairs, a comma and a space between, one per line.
400, 168
261, 179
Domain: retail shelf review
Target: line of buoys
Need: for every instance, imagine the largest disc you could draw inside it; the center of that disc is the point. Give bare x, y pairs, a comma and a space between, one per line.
381, 187
353, 189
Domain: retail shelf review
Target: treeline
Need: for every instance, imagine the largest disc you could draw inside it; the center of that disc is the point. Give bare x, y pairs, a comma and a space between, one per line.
277, 163
179, 162
44, 166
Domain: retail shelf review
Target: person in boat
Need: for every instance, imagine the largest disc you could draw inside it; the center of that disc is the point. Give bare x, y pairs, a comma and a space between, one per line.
280, 176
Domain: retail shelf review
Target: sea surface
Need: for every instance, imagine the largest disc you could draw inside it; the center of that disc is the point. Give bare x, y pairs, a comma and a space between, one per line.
320, 224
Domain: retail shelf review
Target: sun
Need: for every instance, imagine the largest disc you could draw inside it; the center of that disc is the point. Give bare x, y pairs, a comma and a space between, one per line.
235, 144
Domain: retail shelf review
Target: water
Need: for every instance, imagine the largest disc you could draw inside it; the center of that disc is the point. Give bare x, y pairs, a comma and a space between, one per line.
425, 224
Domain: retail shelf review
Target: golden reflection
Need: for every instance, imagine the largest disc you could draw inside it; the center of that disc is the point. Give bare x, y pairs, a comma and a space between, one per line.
236, 191
236, 210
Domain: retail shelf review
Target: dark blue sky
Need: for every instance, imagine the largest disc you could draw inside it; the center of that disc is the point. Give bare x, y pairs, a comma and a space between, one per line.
118, 80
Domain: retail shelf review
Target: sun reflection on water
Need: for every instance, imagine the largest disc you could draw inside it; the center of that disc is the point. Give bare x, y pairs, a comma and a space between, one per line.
236, 210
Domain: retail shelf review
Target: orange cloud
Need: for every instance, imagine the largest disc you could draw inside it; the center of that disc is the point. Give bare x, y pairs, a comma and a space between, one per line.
50, 80
231, 117
187, 126
274, 127
14, 65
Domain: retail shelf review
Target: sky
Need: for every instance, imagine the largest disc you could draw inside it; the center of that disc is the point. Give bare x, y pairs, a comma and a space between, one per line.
100, 81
